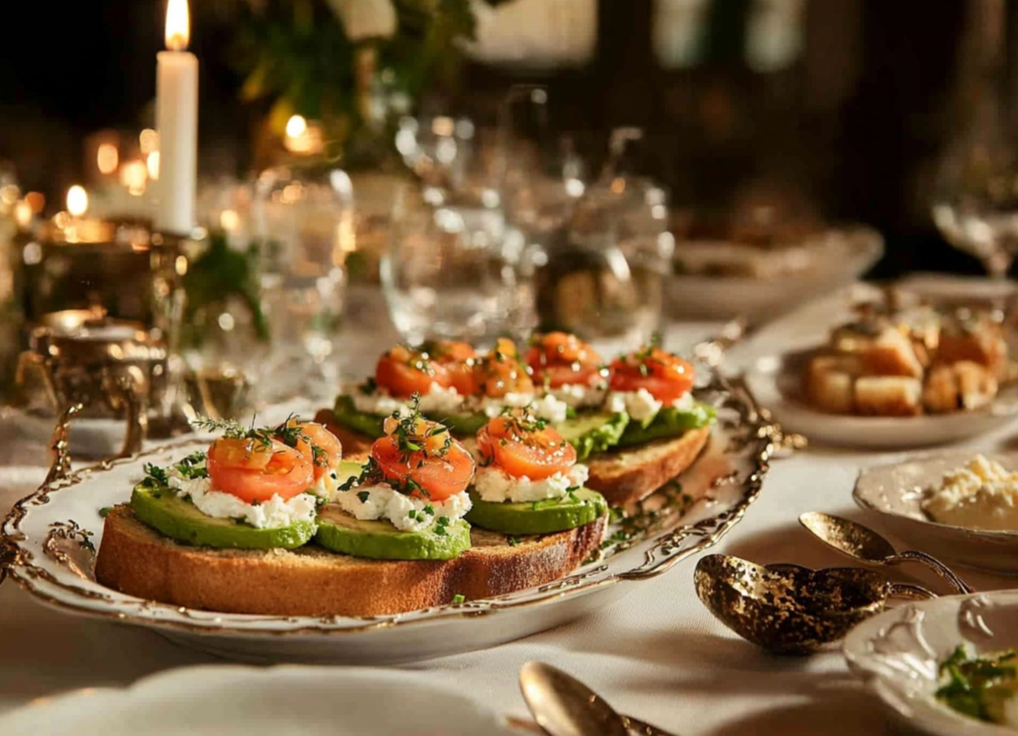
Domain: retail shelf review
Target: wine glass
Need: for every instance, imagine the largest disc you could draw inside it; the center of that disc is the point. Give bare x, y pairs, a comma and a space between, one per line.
975, 204
446, 275
303, 218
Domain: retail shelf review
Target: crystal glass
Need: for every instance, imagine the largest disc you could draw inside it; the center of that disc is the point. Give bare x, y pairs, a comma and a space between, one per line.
975, 199
447, 274
634, 212
303, 220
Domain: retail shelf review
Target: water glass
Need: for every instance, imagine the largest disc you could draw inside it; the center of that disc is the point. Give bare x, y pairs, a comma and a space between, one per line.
304, 222
447, 274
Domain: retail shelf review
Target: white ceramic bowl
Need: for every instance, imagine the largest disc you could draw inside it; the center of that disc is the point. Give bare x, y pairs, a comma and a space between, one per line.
894, 493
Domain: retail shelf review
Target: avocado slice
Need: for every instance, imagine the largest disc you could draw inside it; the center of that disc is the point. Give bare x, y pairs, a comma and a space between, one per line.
346, 414
340, 532
669, 422
539, 517
463, 424
177, 518
591, 432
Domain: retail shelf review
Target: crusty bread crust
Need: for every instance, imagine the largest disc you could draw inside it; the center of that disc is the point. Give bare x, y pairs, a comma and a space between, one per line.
311, 581
625, 476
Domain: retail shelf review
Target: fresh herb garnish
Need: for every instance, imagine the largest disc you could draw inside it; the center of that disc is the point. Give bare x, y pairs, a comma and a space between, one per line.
513, 541
105, 511
193, 466
978, 686
363, 496
458, 598
155, 477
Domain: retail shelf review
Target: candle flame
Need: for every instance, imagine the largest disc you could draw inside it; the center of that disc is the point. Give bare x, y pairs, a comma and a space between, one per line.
296, 126
178, 25
107, 158
77, 200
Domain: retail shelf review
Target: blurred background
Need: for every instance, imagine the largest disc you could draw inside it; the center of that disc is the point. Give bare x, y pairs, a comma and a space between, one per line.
842, 108
474, 168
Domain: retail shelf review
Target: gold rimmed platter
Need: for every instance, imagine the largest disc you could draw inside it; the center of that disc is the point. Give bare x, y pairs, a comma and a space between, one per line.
53, 534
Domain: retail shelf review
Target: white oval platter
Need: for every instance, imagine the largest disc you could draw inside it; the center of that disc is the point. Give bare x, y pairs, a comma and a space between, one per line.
53, 534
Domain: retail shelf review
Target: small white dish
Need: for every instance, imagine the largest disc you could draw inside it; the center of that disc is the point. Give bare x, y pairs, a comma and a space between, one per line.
281, 701
775, 380
897, 654
839, 259
894, 493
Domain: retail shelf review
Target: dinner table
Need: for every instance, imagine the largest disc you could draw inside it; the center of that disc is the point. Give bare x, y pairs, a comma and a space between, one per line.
656, 653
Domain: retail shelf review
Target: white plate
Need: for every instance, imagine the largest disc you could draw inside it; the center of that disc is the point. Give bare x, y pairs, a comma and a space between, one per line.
714, 297
894, 494
278, 701
775, 381
897, 653
53, 531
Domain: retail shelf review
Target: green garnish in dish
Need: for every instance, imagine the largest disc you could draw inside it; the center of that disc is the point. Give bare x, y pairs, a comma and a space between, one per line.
979, 687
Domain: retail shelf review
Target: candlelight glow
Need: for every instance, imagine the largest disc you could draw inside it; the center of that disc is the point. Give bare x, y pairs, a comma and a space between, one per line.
134, 176
148, 140
178, 25
77, 200
229, 220
23, 214
152, 164
36, 200
107, 158
296, 126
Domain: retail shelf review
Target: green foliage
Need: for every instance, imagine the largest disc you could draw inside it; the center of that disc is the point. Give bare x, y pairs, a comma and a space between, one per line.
296, 55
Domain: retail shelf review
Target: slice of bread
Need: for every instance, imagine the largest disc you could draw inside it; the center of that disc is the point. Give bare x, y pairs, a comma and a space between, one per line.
630, 475
311, 581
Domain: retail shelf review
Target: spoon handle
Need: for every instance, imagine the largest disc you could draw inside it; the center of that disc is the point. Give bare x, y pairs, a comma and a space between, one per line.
910, 591
942, 570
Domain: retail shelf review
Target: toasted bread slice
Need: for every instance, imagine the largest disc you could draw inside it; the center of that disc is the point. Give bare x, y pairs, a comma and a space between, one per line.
888, 396
625, 476
311, 581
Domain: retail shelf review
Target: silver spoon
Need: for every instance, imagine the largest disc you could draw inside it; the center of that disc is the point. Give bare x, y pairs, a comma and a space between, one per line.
564, 706
865, 545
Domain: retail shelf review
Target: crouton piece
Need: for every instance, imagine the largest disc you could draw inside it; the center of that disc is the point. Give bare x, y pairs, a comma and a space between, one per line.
891, 396
891, 354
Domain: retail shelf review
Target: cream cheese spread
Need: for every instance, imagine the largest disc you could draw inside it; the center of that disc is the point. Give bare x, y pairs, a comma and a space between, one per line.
981, 495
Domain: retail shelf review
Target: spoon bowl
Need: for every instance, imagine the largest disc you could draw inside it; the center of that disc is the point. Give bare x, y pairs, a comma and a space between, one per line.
789, 609
564, 706
865, 545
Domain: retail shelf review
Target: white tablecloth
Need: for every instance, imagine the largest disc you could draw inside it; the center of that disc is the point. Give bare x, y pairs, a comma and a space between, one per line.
657, 654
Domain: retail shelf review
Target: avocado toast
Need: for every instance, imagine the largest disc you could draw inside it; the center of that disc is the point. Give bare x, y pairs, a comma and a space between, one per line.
383, 536
634, 421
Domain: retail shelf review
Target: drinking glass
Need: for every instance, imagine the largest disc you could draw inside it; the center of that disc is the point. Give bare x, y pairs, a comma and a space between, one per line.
447, 275
975, 204
304, 222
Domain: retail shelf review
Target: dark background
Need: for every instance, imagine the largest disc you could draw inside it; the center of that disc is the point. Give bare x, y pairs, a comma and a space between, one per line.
854, 127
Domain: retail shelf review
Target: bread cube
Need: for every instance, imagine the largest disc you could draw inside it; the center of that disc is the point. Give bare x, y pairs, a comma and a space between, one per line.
891, 354
889, 396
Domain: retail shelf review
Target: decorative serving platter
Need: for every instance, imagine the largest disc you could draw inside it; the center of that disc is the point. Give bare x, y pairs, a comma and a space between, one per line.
53, 534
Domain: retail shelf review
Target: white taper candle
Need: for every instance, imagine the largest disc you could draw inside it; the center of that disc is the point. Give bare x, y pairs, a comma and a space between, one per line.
177, 124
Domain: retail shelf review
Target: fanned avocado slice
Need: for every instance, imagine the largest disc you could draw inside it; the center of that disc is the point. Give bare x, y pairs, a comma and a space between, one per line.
669, 422
539, 517
346, 414
163, 510
591, 432
380, 540
461, 424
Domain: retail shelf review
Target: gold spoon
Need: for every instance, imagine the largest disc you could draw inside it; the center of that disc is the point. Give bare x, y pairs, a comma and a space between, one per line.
865, 545
788, 609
